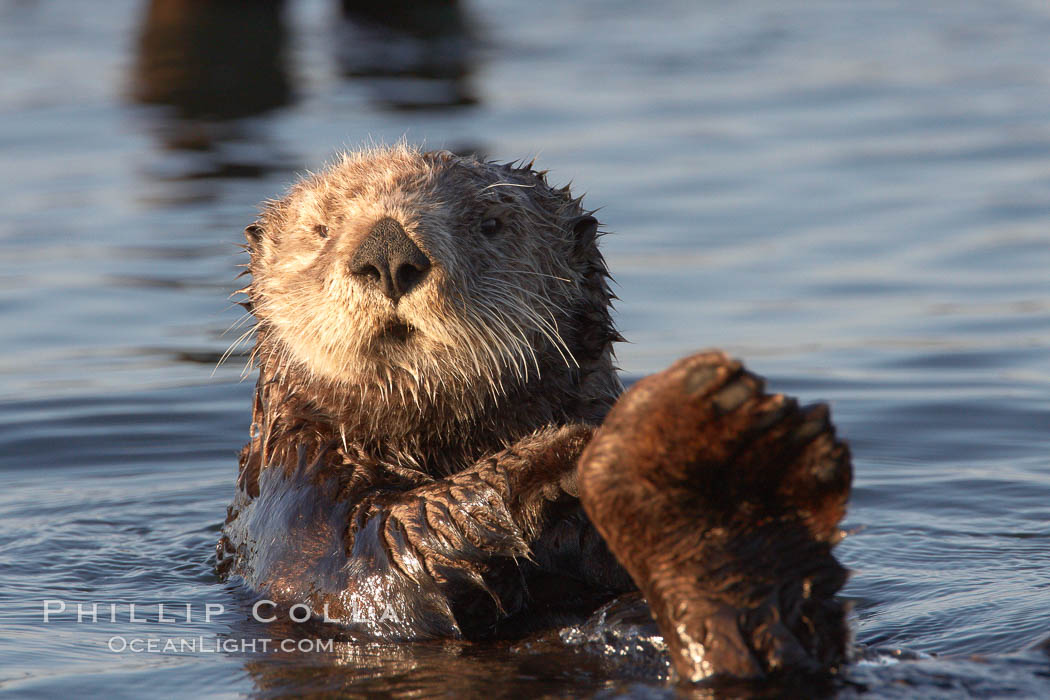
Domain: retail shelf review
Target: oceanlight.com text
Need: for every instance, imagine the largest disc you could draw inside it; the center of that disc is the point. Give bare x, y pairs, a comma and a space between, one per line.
120, 644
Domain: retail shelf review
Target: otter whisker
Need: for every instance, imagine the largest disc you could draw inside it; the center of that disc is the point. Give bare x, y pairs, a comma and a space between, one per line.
486, 333
546, 300
546, 329
507, 184
233, 346
538, 274
525, 349
246, 317
503, 340
511, 359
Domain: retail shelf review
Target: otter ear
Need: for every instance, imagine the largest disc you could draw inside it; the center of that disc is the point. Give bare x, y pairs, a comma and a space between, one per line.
254, 233
585, 230
585, 226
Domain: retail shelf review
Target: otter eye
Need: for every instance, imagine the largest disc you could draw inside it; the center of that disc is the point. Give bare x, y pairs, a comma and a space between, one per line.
321, 230
490, 227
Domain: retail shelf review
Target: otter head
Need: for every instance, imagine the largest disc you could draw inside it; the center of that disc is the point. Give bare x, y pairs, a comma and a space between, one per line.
403, 292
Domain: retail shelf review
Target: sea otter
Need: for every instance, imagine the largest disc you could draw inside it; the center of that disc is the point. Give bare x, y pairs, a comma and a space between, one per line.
434, 344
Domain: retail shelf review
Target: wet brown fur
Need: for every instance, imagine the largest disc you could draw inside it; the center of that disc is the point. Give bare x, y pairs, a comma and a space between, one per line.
509, 354
485, 317
412, 464
723, 503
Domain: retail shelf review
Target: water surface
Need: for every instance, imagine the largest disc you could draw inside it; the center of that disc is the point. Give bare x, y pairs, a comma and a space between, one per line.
853, 197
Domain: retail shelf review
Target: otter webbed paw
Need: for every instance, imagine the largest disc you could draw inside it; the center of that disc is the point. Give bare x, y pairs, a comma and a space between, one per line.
457, 542
723, 503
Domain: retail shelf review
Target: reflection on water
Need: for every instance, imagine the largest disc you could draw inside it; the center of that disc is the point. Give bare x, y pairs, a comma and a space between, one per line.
213, 60
210, 65
411, 54
852, 196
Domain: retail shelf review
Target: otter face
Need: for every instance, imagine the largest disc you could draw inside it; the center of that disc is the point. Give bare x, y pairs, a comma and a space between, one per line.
419, 274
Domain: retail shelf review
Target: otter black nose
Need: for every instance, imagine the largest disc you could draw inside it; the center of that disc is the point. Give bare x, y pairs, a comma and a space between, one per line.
389, 258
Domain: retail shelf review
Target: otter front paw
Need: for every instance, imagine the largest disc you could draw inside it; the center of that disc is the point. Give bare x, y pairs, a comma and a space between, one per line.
723, 503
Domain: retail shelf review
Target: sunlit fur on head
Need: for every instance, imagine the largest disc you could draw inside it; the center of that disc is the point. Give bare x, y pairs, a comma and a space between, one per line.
508, 331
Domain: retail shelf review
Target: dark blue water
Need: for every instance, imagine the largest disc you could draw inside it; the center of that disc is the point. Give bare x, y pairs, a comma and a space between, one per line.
853, 197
